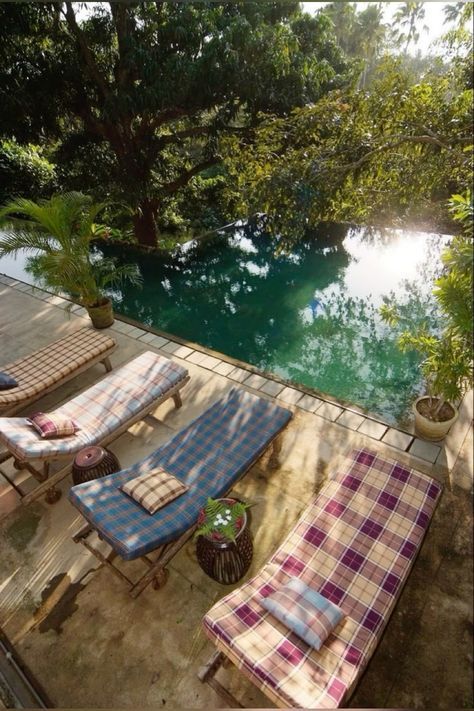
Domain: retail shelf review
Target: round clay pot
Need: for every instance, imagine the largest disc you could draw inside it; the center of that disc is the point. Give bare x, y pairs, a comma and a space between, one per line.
101, 316
428, 429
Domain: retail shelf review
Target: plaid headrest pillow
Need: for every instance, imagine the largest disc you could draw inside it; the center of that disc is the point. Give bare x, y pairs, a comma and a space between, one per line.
154, 489
304, 611
50, 426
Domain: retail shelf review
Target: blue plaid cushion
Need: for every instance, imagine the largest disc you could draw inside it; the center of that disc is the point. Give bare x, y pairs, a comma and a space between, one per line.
208, 456
304, 611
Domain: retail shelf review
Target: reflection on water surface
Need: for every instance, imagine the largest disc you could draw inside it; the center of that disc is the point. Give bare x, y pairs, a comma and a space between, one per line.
310, 316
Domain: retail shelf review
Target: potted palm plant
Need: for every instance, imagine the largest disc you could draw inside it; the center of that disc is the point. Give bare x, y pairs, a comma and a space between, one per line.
58, 233
447, 372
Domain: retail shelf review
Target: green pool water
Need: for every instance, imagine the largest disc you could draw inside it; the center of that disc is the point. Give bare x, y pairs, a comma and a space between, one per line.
310, 316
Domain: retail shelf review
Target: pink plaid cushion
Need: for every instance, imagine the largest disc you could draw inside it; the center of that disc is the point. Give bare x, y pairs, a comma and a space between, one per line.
154, 489
53, 425
304, 611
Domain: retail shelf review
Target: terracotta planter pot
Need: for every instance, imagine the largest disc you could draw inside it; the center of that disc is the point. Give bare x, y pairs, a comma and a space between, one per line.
101, 316
428, 429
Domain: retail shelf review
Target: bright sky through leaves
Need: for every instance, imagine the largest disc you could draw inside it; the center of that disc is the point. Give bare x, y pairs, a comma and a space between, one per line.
434, 19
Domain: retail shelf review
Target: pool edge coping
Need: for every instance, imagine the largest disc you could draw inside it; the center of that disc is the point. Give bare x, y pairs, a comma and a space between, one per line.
436, 456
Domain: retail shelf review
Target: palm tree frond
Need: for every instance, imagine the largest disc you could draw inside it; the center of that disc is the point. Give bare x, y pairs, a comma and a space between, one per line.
13, 241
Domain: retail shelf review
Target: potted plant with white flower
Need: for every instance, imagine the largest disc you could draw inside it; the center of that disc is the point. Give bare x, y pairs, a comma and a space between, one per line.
222, 520
223, 542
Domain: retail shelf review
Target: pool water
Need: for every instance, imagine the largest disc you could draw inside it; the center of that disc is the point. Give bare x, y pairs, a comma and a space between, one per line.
310, 316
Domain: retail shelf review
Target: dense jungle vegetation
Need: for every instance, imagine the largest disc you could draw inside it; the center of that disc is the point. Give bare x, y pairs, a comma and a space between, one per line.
189, 115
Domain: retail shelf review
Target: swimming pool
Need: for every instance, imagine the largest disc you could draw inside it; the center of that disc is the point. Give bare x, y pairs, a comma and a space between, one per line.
310, 316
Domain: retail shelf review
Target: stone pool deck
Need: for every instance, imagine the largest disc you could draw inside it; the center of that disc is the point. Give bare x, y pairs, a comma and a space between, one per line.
90, 645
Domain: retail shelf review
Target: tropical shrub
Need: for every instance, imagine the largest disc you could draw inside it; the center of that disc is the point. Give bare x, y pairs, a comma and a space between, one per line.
24, 171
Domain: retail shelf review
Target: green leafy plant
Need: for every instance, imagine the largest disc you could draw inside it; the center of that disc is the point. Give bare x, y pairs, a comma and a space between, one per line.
58, 233
221, 519
24, 170
447, 356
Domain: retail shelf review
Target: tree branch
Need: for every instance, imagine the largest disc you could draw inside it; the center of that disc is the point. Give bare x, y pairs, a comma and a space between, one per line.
86, 52
184, 178
123, 27
151, 124
178, 136
395, 142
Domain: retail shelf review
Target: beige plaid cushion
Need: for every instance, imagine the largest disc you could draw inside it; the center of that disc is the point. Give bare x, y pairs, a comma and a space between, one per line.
154, 489
53, 364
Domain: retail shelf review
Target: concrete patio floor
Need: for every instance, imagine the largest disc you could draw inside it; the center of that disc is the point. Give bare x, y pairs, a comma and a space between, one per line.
90, 645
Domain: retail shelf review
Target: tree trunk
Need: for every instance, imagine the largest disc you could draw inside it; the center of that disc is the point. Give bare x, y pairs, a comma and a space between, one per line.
144, 224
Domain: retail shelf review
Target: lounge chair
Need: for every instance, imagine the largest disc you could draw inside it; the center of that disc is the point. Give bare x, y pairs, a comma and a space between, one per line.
55, 364
355, 544
102, 412
209, 456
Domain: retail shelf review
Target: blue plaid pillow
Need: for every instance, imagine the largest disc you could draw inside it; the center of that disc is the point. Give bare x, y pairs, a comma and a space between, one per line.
7, 382
304, 611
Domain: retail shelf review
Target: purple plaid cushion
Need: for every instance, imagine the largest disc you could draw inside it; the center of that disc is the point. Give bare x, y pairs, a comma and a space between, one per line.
53, 425
304, 611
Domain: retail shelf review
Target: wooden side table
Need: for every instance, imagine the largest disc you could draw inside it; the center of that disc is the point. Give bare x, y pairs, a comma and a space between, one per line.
223, 560
93, 463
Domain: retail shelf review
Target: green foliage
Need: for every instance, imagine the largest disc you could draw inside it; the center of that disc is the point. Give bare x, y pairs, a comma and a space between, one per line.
385, 157
58, 233
454, 288
151, 88
457, 42
446, 366
360, 34
85, 162
447, 356
389, 314
141, 100
222, 519
24, 171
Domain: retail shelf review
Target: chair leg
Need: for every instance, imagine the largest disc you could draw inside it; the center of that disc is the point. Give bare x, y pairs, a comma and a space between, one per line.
211, 666
4, 456
40, 476
177, 400
206, 675
160, 579
107, 364
273, 462
53, 495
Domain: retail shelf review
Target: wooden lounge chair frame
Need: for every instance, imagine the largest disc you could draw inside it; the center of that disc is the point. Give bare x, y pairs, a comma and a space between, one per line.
157, 574
206, 674
224, 657
7, 410
48, 481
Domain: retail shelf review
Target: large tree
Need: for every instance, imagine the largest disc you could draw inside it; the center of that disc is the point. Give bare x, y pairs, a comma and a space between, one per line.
393, 155
158, 84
